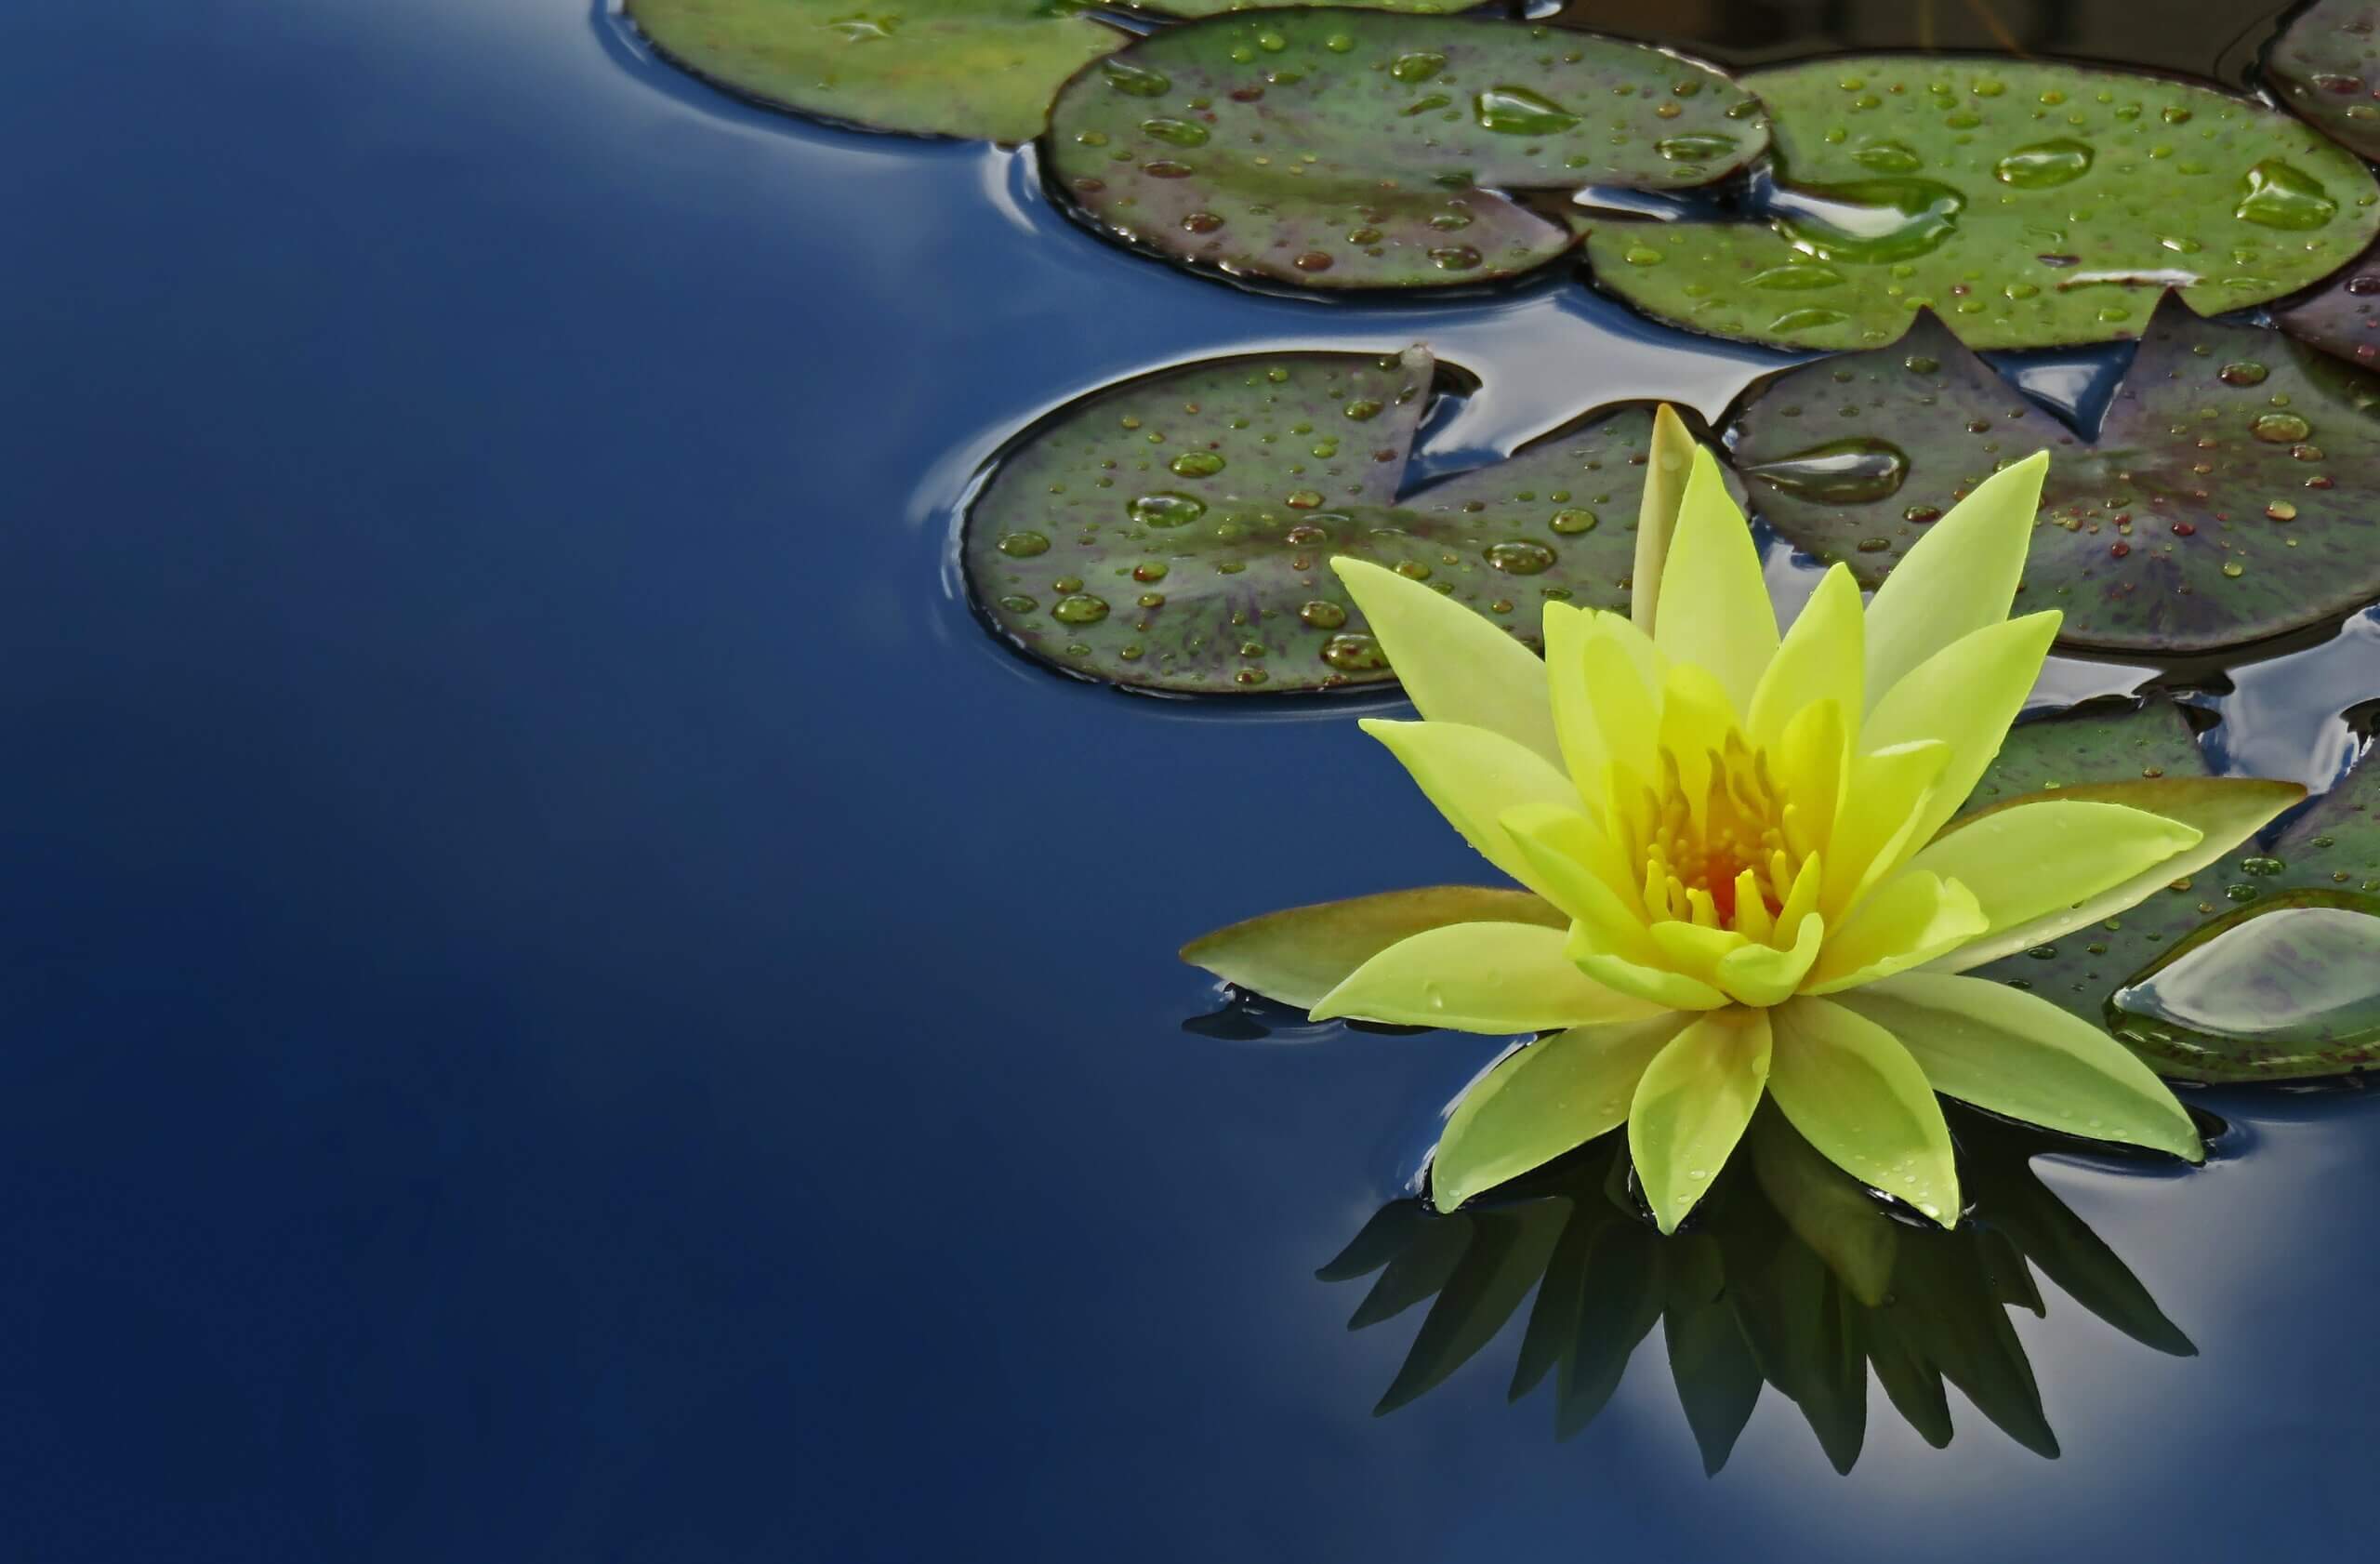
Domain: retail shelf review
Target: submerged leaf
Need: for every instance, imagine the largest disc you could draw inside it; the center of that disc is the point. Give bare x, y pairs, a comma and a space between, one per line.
1175, 532
971, 68
1349, 149
2222, 502
2033, 204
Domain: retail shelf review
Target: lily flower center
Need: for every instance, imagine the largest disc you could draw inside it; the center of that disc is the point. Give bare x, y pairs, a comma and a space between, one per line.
1718, 851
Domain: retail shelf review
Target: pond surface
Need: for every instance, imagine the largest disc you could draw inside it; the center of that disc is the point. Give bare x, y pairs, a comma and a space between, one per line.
565, 1002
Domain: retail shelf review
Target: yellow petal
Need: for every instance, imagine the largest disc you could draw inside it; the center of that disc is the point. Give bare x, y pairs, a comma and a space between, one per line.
1477, 977
1762, 974
1823, 657
1653, 984
1603, 675
1965, 695
1474, 775
1878, 826
1856, 1094
2226, 810
1626, 704
1960, 577
1907, 922
1691, 1107
1456, 666
1694, 949
1714, 608
2051, 856
1585, 874
1811, 759
2016, 1054
1550, 1097
1696, 724
1669, 464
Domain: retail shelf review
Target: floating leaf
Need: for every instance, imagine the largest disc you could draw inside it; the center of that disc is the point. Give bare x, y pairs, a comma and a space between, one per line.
2031, 205
1299, 955
2343, 318
1339, 149
2326, 68
974, 67
2120, 744
2263, 966
1174, 533
2223, 501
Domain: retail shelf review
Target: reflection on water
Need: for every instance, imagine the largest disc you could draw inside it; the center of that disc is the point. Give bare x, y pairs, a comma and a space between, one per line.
1792, 1275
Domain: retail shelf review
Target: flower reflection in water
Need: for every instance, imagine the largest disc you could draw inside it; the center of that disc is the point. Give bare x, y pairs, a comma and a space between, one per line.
1794, 1276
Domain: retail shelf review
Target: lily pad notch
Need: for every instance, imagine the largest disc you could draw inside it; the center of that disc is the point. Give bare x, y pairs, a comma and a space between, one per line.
2223, 502
1172, 533
1339, 149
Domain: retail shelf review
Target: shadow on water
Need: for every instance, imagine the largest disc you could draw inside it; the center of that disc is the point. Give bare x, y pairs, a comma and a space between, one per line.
1792, 1275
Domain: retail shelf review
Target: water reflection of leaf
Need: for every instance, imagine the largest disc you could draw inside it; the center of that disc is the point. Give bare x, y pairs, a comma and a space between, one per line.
1794, 1277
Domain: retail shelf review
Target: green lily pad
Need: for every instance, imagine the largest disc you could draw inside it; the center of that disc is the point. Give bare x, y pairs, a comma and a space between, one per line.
1351, 149
2326, 69
967, 68
1174, 533
2030, 205
2223, 501
2263, 967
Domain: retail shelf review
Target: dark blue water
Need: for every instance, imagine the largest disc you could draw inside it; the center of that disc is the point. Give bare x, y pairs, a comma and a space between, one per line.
563, 1001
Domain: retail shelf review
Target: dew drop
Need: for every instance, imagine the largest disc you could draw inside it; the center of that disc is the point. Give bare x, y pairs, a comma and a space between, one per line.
1857, 470
2280, 196
2045, 164
1516, 111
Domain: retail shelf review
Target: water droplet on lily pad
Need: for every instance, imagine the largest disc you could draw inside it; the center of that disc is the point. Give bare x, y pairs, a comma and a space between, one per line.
1857, 470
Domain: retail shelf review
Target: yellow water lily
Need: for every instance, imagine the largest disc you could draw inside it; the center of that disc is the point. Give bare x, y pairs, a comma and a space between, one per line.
1744, 873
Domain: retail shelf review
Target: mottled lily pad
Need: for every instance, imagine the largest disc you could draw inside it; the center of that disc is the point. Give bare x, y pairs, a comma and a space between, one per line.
1174, 533
2326, 68
2030, 205
2225, 500
1349, 149
969, 68
2285, 978
2342, 316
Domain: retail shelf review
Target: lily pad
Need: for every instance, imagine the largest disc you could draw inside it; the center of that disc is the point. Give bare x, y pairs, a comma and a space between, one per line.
2343, 317
2223, 501
2264, 966
2030, 205
2326, 68
967, 68
1353, 149
1174, 533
